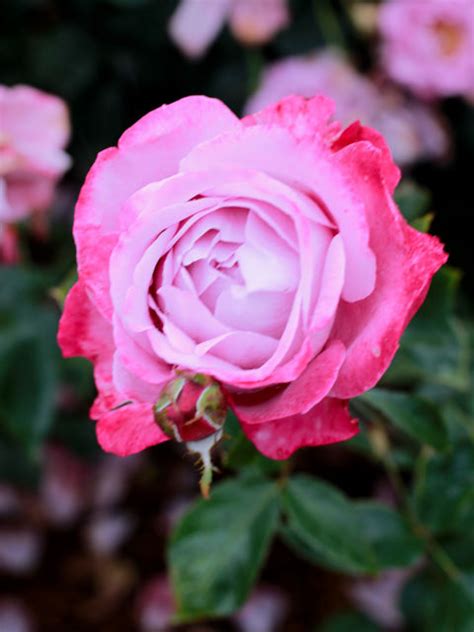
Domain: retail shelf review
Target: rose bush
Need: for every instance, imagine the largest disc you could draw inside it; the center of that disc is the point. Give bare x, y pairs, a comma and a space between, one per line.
267, 253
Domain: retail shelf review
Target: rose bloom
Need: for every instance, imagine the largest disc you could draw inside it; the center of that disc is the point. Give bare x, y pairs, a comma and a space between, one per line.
196, 23
267, 253
412, 130
429, 46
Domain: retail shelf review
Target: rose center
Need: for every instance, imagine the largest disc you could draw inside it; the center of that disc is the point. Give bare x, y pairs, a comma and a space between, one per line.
449, 36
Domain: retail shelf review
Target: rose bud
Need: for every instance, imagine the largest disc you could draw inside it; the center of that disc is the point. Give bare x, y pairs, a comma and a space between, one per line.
192, 409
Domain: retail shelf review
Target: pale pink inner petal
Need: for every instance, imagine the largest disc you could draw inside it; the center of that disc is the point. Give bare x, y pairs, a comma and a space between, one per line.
245, 349
184, 281
210, 296
263, 312
201, 247
229, 288
175, 337
332, 281
203, 275
263, 270
256, 185
189, 314
314, 244
286, 159
266, 262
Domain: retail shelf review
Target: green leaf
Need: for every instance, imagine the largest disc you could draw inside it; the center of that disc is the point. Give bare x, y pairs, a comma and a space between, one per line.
417, 417
444, 495
413, 200
423, 223
435, 347
391, 538
218, 548
432, 603
29, 357
326, 527
240, 453
16, 282
16, 467
77, 433
28, 378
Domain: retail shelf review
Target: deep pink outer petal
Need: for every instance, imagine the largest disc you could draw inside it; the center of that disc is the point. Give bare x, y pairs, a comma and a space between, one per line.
304, 118
328, 422
82, 330
298, 397
388, 170
129, 430
406, 262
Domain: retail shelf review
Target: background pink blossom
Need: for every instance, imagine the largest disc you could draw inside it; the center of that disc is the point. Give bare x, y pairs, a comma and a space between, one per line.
412, 130
34, 129
429, 46
196, 23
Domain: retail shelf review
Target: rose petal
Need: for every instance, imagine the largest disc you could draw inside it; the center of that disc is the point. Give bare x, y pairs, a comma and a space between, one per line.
371, 329
301, 157
128, 430
82, 330
244, 349
148, 152
299, 396
332, 281
328, 422
260, 312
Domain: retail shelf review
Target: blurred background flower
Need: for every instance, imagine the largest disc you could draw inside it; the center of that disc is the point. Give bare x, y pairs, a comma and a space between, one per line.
413, 130
195, 24
34, 129
429, 46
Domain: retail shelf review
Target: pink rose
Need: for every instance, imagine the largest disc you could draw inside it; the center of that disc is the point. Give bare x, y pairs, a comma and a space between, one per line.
412, 130
34, 128
195, 24
429, 46
267, 253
